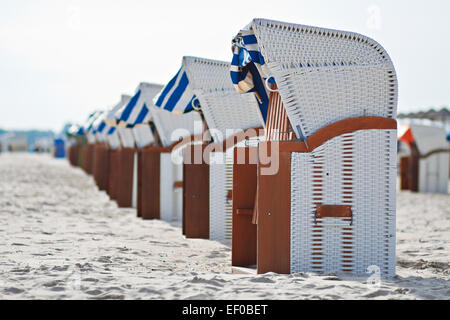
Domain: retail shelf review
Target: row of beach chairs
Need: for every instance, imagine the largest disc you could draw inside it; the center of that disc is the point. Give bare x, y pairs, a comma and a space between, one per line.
289, 158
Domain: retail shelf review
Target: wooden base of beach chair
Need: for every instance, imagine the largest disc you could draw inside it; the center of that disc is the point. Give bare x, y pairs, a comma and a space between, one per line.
95, 162
149, 186
159, 183
260, 234
413, 168
195, 194
76, 156
409, 170
73, 154
404, 173
125, 177
87, 163
80, 156
274, 215
244, 231
113, 165
101, 166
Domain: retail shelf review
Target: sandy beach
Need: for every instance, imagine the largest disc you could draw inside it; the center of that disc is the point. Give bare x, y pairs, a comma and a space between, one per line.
62, 238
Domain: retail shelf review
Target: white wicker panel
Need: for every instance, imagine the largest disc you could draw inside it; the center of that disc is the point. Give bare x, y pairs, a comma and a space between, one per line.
126, 137
167, 179
148, 92
326, 75
143, 135
220, 182
207, 74
428, 138
167, 123
302, 207
224, 109
178, 193
90, 138
433, 173
315, 99
220, 208
359, 170
100, 137
113, 140
227, 112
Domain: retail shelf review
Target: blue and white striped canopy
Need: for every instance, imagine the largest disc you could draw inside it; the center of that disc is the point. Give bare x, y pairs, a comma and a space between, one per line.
110, 118
89, 125
98, 125
136, 111
75, 130
101, 127
111, 130
176, 96
130, 114
248, 71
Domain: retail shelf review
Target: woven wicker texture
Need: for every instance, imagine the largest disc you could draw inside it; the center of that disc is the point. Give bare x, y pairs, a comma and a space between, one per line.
357, 169
433, 173
222, 106
168, 123
143, 135
221, 182
326, 75
113, 140
170, 198
126, 137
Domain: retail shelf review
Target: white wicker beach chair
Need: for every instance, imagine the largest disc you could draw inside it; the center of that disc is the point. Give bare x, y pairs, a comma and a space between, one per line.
169, 167
426, 166
88, 149
227, 114
330, 207
132, 122
112, 136
157, 179
113, 143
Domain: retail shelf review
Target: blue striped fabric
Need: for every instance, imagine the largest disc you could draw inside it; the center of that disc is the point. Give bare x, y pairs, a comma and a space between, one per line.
136, 111
110, 116
80, 131
89, 126
75, 130
124, 115
176, 96
98, 124
101, 127
247, 69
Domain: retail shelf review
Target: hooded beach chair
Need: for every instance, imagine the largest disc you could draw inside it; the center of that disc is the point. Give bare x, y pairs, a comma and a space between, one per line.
113, 144
162, 170
326, 174
158, 179
134, 134
100, 157
104, 144
207, 182
76, 140
425, 168
87, 150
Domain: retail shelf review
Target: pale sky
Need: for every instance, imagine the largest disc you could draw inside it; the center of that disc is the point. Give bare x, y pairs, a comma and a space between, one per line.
61, 59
